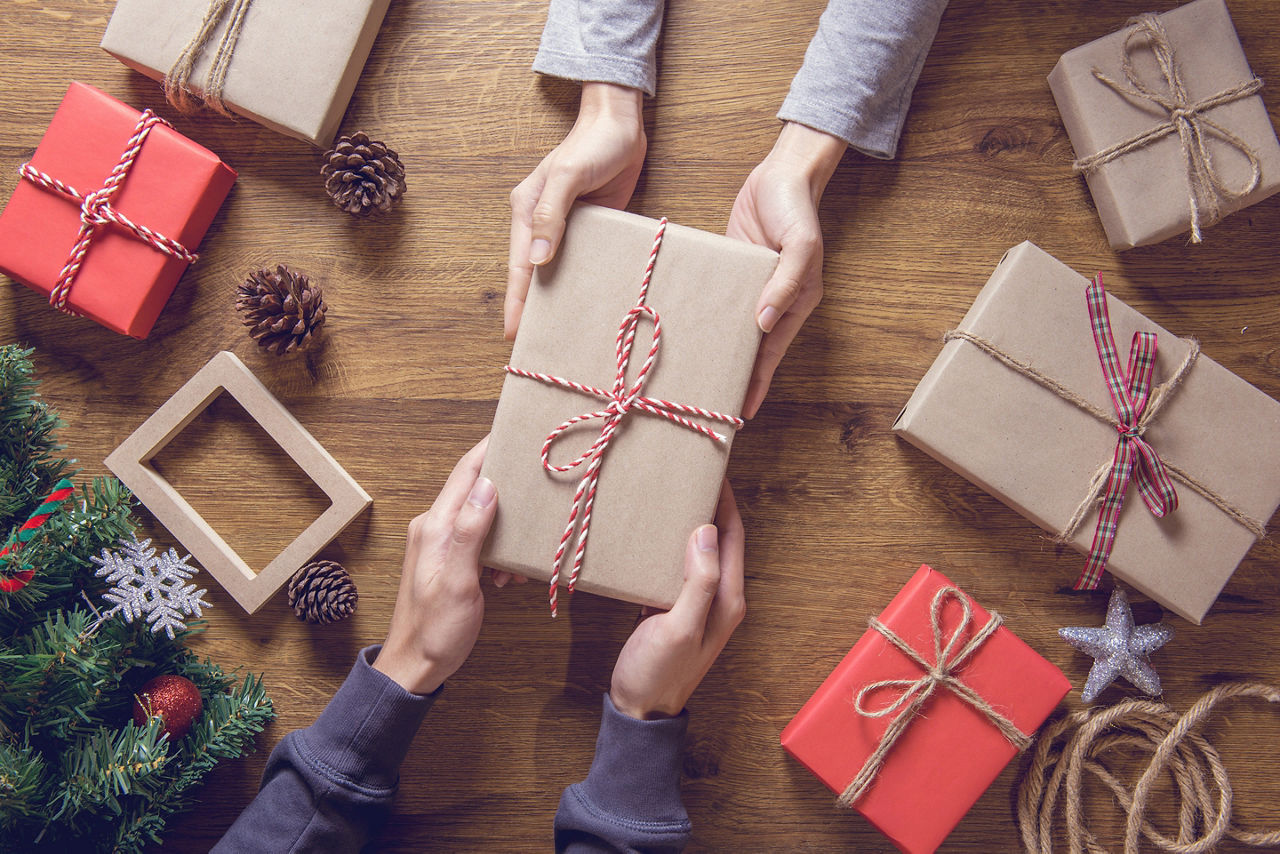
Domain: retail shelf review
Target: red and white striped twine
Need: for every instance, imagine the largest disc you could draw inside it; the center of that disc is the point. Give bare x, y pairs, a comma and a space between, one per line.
621, 401
96, 211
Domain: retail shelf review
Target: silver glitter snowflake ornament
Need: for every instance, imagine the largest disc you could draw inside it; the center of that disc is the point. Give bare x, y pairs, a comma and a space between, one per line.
144, 583
1119, 649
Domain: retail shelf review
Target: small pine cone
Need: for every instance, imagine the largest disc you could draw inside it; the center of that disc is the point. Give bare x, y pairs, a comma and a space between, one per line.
283, 309
322, 592
363, 176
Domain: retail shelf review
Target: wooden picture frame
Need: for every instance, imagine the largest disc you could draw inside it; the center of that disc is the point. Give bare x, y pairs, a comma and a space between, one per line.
131, 464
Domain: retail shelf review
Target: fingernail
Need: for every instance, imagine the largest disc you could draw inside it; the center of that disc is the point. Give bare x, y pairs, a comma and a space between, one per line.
707, 538
483, 493
766, 319
539, 251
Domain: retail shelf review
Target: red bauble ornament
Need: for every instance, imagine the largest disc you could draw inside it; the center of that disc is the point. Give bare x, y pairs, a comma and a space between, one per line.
175, 699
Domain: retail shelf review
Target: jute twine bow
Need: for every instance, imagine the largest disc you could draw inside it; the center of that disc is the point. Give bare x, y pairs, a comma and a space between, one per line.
62, 492
96, 211
1104, 477
1085, 741
940, 673
1186, 118
177, 87
622, 400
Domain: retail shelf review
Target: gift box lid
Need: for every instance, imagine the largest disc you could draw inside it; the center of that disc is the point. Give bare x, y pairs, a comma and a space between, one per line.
950, 753
294, 68
174, 187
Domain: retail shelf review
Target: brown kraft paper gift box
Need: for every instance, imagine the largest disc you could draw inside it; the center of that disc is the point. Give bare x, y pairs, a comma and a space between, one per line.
1038, 452
294, 67
658, 480
1143, 195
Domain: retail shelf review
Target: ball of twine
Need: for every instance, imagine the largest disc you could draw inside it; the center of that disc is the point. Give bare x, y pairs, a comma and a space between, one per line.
1083, 741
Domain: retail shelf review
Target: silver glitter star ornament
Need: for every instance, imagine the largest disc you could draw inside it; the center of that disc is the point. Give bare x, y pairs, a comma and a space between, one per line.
1119, 649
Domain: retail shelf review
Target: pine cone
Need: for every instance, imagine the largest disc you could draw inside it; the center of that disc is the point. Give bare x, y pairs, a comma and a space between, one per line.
282, 309
322, 592
362, 176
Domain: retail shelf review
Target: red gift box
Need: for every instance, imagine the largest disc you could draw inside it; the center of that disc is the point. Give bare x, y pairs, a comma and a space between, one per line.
172, 188
950, 752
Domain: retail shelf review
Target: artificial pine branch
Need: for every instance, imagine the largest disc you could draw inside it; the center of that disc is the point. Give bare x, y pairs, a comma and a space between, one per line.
104, 767
75, 773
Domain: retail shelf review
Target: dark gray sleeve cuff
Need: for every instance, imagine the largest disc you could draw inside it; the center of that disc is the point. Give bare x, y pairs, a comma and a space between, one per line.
364, 733
636, 770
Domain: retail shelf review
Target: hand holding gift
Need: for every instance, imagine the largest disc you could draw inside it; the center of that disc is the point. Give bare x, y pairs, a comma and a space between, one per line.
667, 655
777, 207
440, 606
598, 162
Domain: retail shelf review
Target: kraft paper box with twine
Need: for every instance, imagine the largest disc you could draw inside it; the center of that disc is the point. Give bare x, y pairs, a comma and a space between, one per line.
109, 212
291, 66
1167, 124
658, 471
1017, 403
924, 712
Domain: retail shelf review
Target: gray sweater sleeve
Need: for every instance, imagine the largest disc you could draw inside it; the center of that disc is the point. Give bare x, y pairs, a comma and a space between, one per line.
329, 787
604, 41
860, 69
630, 801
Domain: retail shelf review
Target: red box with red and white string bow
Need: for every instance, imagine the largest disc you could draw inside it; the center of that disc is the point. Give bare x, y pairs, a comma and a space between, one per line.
969, 692
1018, 403
138, 238
663, 439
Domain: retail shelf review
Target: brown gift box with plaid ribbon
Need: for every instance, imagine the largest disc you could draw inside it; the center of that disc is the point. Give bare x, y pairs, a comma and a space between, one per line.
1143, 195
659, 480
1040, 453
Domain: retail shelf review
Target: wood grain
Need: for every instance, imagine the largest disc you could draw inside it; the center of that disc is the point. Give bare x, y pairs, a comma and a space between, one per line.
838, 512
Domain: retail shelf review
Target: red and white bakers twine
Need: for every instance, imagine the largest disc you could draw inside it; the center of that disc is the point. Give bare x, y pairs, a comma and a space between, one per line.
96, 211
621, 401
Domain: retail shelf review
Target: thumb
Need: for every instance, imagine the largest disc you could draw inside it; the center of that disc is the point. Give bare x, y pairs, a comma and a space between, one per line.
787, 282
558, 194
471, 526
701, 580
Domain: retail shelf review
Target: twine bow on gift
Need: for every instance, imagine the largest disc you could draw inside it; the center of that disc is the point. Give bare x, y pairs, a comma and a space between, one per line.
1186, 119
177, 83
940, 673
1134, 458
622, 400
96, 211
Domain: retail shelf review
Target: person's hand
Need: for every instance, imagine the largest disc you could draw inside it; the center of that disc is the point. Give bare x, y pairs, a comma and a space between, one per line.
598, 162
667, 655
440, 607
777, 207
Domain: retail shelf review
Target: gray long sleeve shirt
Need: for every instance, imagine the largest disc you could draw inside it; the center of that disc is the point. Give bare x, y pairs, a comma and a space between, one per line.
856, 81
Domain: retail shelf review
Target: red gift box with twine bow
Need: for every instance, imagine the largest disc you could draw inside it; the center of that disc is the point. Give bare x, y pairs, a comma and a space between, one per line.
924, 712
108, 213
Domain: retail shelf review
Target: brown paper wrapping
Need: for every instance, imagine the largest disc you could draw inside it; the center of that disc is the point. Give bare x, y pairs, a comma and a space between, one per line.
1038, 453
1142, 196
659, 481
295, 64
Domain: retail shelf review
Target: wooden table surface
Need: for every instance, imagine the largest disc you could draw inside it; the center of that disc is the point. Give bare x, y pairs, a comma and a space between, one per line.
839, 513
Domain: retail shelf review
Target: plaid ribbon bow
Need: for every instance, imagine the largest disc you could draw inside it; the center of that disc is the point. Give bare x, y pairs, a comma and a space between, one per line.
1134, 458
622, 400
